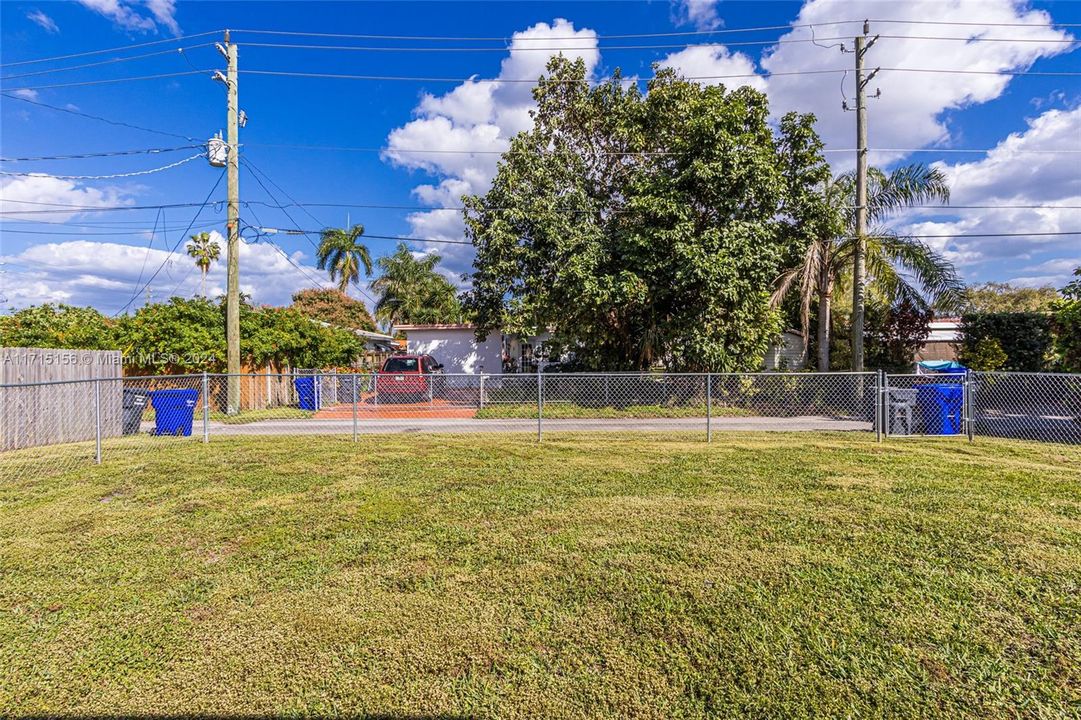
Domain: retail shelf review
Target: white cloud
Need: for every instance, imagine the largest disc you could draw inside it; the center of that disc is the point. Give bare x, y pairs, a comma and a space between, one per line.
913, 109
25, 93
43, 192
106, 274
1025, 169
474, 122
164, 11
700, 13
44, 21
125, 15
914, 112
715, 60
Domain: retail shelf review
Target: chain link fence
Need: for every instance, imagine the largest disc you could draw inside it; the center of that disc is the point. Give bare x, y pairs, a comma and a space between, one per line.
57, 426
1027, 406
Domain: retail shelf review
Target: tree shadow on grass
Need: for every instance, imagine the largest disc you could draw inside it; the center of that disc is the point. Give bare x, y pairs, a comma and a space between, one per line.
290, 716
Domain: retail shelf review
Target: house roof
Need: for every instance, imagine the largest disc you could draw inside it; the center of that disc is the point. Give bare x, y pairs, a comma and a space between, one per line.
947, 329
438, 326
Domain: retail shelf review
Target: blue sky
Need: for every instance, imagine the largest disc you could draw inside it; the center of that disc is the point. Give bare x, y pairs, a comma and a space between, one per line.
1031, 124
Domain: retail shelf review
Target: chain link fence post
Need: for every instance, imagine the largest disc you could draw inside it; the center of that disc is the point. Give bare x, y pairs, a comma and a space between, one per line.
709, 407
880, 403
969, 406
97, 422
354, 383
206, 408
540, 407
480, 401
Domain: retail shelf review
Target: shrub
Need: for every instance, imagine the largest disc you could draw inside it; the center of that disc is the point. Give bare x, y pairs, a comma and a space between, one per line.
985, 354
1025, 337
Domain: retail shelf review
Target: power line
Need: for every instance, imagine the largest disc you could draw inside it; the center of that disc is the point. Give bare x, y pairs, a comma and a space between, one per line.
99, 63
1014, 73
405, 78
112, 153
945, 235
108, 81
288, 197
87, 208
108, 50
690, 33
172, 250
85, 234
608, 48
99, 118
976, 24
504, 49
134, 173
510, 151
307, 235
504, 38
149, 245
387, 206
764, 75
294, 231
121, 225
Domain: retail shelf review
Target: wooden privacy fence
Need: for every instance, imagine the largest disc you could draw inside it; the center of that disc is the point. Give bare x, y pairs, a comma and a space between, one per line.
53, 403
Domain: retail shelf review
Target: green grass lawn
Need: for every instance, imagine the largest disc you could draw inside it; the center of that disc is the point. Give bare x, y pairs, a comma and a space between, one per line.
454, 576
565, 410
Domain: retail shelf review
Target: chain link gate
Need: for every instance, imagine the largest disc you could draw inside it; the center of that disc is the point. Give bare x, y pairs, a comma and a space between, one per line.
925, 405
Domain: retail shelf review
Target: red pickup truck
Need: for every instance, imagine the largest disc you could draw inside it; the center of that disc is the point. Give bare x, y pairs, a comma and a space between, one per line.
408, 376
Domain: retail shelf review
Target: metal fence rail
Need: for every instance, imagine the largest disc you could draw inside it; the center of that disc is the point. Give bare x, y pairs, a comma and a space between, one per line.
62, 425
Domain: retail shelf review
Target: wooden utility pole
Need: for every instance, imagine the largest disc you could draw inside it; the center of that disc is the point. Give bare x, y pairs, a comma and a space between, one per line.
232, 296
859, 256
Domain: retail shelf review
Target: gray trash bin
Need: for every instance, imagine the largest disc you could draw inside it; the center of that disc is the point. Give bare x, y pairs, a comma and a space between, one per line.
134, 404
901, 404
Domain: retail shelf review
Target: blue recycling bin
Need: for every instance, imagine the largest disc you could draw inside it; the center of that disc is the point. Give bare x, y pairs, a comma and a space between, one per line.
941, 407
174, 411
307, 392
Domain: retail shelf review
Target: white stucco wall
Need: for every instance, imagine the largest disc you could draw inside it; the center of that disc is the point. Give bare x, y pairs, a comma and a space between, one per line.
457, 349
787, 351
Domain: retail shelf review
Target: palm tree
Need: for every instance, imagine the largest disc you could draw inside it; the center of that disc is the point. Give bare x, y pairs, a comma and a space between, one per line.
206, 252
342, 255
412, 291
898, 267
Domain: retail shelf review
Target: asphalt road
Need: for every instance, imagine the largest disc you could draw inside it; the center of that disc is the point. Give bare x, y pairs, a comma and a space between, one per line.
473, 425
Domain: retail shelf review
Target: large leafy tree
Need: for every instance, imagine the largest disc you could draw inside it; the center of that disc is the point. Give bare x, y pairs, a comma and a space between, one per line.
900, 269
206, 252
334, 307
343, 255
994, 297
643, 228
411, 290
58, 326
184, 335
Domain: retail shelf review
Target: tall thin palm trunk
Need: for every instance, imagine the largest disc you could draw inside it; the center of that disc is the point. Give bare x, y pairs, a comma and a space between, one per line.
825, 300
202, 283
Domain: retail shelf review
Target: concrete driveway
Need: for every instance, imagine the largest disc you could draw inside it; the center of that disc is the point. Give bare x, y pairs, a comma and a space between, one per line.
369, 425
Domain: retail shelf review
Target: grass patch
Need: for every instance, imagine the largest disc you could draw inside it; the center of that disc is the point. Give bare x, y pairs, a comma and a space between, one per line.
764, 575
563, 410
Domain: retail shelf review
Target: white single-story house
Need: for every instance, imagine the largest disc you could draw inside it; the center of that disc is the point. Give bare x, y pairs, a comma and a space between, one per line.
455, 346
